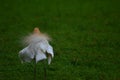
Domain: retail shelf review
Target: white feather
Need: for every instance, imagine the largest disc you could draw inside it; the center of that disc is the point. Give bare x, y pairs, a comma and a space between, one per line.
37, 47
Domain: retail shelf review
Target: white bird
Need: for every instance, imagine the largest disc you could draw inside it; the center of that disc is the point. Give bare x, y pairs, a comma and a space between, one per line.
38, 48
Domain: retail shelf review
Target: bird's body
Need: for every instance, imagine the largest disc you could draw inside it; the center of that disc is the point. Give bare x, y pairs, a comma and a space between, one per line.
37, 48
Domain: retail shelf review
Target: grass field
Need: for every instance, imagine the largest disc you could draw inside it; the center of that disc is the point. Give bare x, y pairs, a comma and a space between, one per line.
85, 36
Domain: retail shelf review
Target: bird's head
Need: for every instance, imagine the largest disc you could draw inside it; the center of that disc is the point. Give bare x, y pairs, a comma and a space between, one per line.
36, 30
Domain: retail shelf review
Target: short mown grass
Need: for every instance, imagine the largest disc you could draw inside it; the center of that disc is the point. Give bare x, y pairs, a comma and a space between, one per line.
85, 36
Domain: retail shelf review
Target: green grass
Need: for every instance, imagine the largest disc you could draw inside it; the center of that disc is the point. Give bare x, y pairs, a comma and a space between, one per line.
85, 36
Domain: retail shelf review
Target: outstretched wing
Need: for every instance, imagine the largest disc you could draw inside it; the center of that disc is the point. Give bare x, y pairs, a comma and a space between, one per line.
26, 55
40, 49
40, 55
50, 53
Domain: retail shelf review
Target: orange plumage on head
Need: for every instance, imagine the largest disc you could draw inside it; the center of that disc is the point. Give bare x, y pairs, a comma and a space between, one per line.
35, 37
36, 30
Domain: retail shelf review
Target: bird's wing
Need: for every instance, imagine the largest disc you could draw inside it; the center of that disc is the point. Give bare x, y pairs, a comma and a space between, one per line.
40, 55
49, 59
50, 53
40, 50
50, 50
26, 55
43, 45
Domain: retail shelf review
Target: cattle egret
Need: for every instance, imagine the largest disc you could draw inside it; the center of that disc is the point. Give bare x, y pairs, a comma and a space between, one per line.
38, 48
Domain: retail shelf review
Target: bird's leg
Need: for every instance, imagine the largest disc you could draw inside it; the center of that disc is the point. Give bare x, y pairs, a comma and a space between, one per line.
34, 69
45, 71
